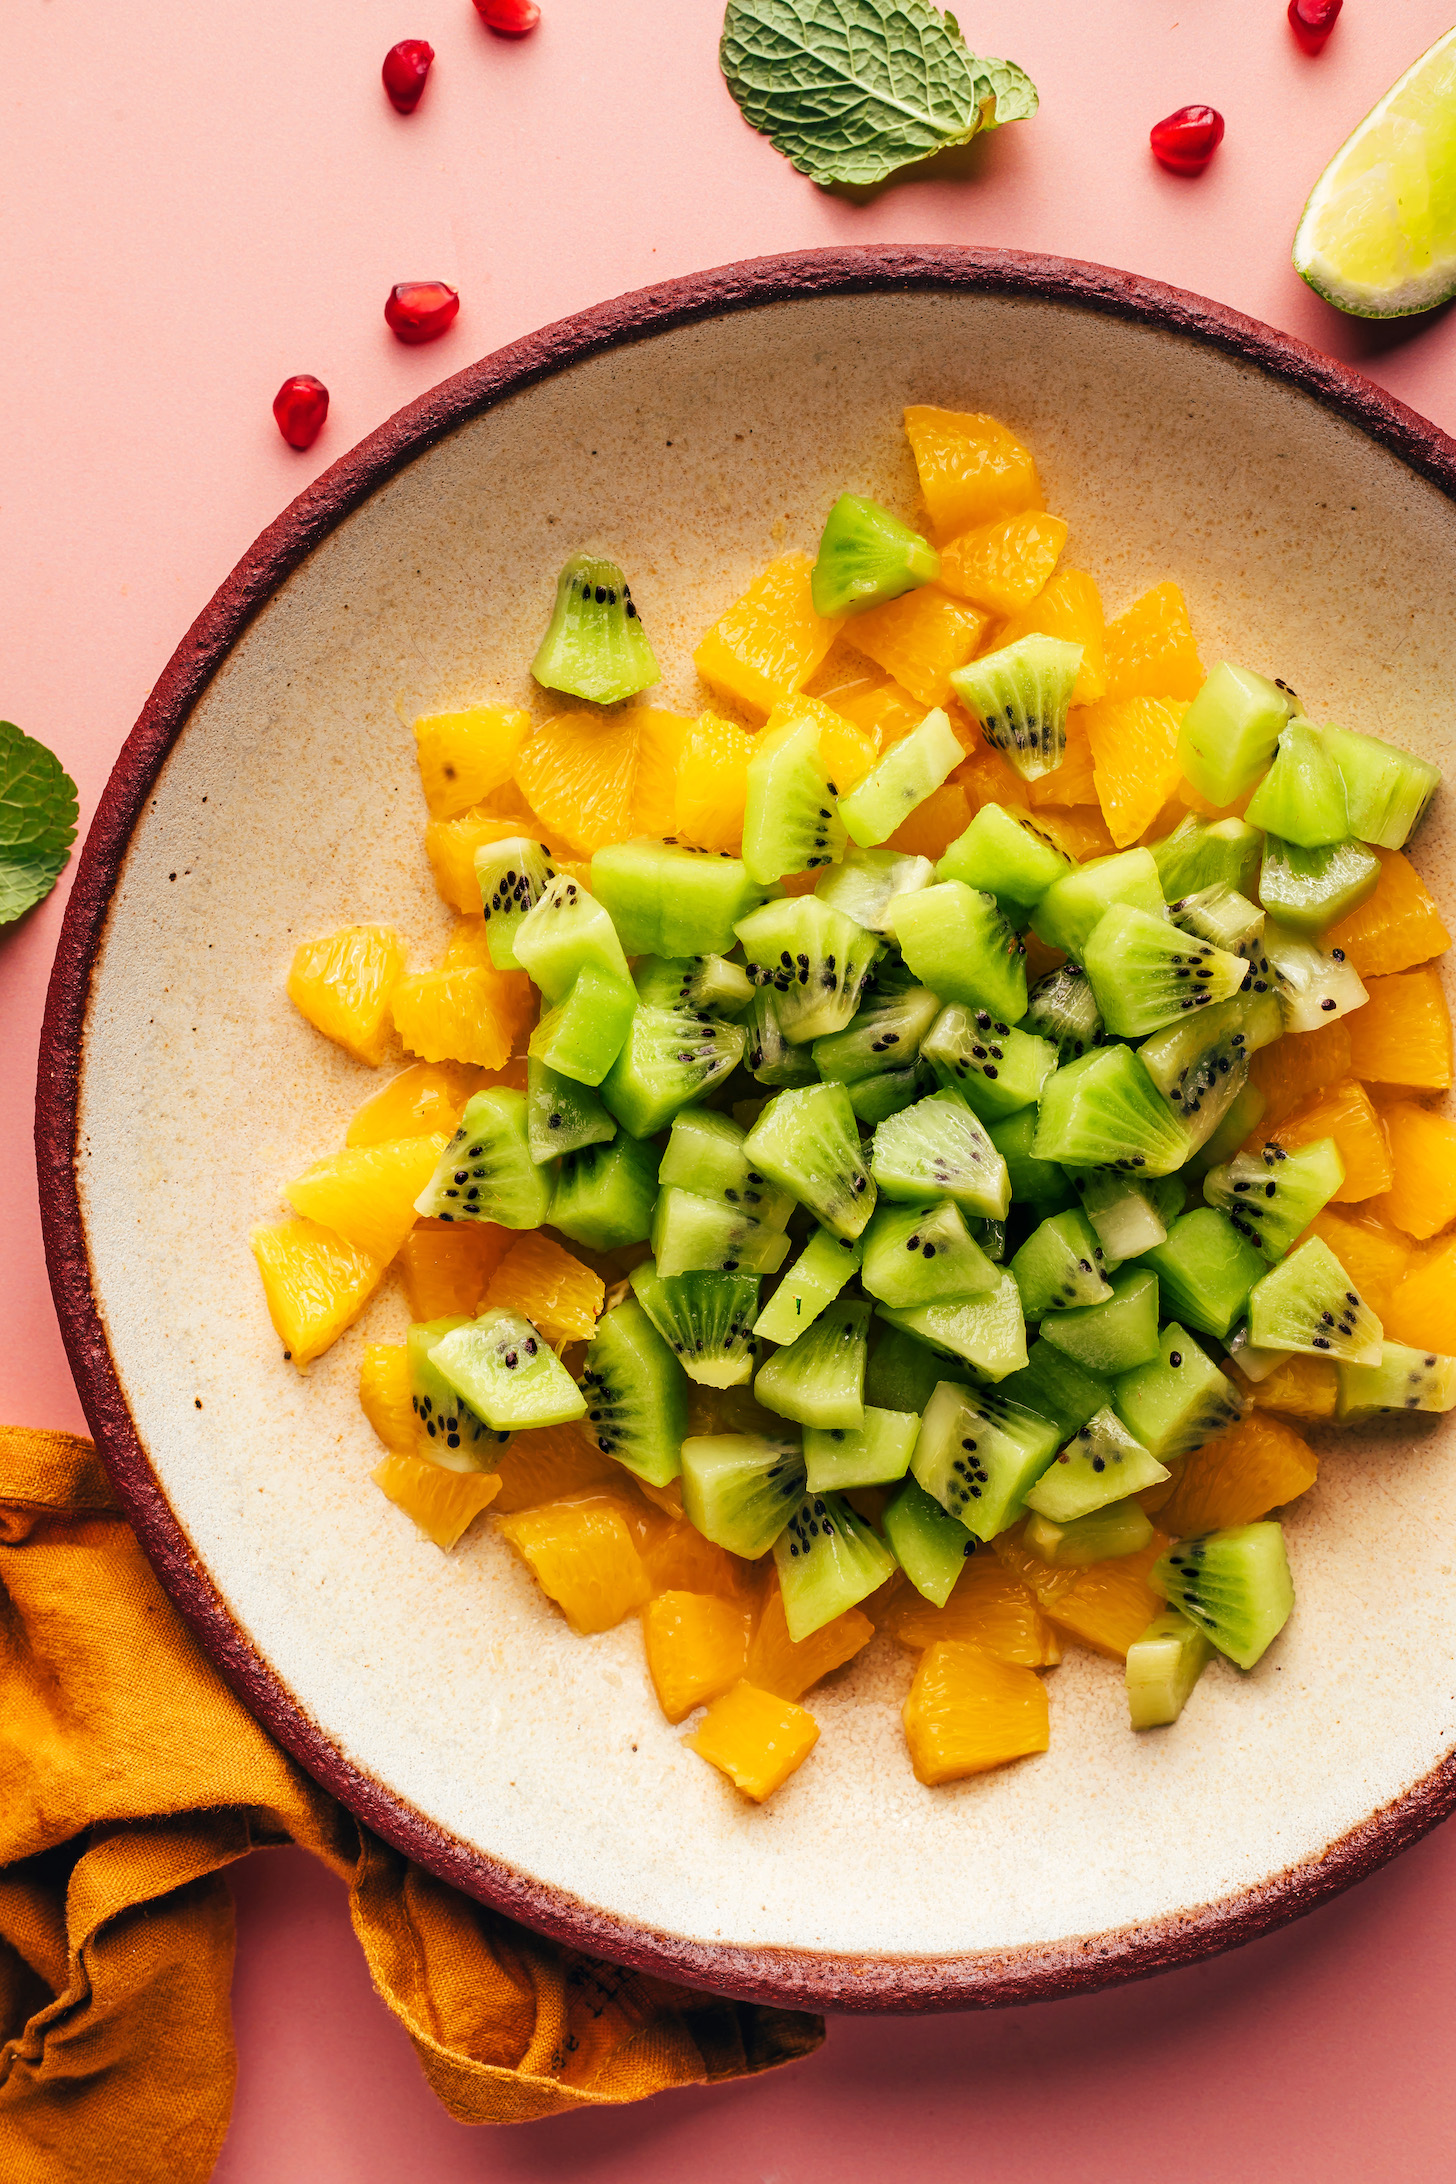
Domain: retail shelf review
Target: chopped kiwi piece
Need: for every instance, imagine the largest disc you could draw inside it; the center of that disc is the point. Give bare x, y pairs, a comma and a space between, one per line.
1205, 1271
930, 1547
1309, 1303
767, 1055
1104, 1111
1246, 1112
1068, 911
1315, 987
486, 1172
937, 1149
813, 1281
957, 943
1005, 854
636, 1393
562, 1115
447, 1430
808, 1142
1129, 1215
584, 1033
813, 959
903, 1374
1201, 1064
1229, 733
708, 982
921, 1254
604, 1195
1062, 1008
1179, 1401
738, 1489
1101, 1464
667, 900
706, 1320
791, 819
1233, 1586
979, 1455
564, 933
1301, 798
839, 1457
1146, 973
1387, 790
1114, 1336
1041, 1185
818, 1378
705, 1153
1162, 1668
1058, 1389
1122, 1528
828, 1560
595, 646
1020, 697
866, 884
670, 1057
1255, 1364
1199, 854
1225, 916
1272, 1196
508, 1373
1309, 890
910, 770
996, 1068
692, 1234
1060, 1265
875, 1099
867, 556
988, 1331
513, 876
1404, 1380
893, 1018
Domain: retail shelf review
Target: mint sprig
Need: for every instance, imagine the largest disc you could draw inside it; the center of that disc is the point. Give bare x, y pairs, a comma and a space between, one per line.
37, 821
851, 90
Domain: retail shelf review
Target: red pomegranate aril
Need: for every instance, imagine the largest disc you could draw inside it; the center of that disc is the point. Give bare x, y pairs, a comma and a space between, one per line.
300, 406
1313, 20
420, 310
1186, 141
406, 66
510, 18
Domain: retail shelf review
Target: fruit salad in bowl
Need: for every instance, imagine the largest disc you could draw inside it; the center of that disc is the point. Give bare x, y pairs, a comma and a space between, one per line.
905, 1148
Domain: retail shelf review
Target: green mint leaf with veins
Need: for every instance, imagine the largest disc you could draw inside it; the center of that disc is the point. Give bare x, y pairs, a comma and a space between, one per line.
849, 90
37, 821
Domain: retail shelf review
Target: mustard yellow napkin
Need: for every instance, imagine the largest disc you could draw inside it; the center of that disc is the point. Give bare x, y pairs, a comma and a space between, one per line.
129, 1778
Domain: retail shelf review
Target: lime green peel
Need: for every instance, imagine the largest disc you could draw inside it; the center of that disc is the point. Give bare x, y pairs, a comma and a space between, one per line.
1378, 236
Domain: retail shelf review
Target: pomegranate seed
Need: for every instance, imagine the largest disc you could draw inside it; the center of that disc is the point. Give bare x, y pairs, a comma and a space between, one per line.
420, 310
406, 66
509, 18
1186, 141
300, 406
1313, 20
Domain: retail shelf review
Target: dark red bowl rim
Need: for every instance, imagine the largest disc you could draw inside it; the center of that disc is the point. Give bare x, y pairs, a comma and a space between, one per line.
786, 1977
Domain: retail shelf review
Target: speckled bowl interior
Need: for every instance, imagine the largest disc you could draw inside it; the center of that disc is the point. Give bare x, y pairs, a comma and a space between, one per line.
537, 1763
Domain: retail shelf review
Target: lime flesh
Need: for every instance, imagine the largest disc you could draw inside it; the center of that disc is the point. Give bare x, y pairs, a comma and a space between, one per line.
1378, 236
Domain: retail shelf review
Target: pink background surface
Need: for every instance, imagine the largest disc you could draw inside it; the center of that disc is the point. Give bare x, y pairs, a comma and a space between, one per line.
199, 201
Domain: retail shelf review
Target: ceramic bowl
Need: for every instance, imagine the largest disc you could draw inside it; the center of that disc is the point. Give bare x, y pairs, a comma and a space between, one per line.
269, 793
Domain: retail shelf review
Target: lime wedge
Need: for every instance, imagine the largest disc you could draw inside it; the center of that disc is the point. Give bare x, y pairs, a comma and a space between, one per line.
1378, 236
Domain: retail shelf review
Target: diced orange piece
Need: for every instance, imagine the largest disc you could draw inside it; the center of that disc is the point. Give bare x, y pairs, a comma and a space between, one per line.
422, 1099
1134, 744
1396, 927
450, 845
756, 1739
1403, 1033
549, 1463
1422, 1194
468, 1013
712, 783
985, 778
343, 984
579, 771
464, 756
384, 1394
1080, 830
1003, 565
1344, 1112
1238, 1478
968, 1712
445, 1266
1070, 607
581, 1555
1074, 781
315, 1284
677, 1558
769, 642
990, 1608
1302, 1387
1106, 1604
868, 699
848, 752
666, 1498
1376, 1256
697, 1645
442, 1503
1423, 1309
367, 1195
556, 1293
1299, 1064
660, 739
1150, 652
972, 469
934, 824
921, 638
777, 1663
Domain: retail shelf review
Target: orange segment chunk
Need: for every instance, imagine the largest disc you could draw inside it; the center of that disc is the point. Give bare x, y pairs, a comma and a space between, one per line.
424, 1098
315, 1284
1149, 648
712, 783
450, 845
1003, 565
989, 1608
1107, 1604
445, 1266
777, 1664
343, 984
868, 699
677, 1558
444, 1504
697, 1645
1134, 745
1344, 1112
1397, 927
579, 771
464, 756
367, 1195
557, 1294
466, 1013
935, 824
1423, 1308
384, 1394
848, 752
920, 639
972, 469
1239, 1478
769, 642
660, 739
756, 1739
582, 1557
1403, 1033
1070, 606
548, 1463
1422, 1194
1303, 1387
1294, 1067
1376, 1256
1074, 781
968, 1712
1080, 830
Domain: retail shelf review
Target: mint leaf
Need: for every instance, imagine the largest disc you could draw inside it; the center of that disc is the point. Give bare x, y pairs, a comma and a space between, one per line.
37, 821
1012, 90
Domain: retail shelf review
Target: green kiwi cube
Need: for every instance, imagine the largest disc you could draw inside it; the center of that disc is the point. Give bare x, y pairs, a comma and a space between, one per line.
1229, 733
875, 1099
1178, 1401
562, 1115
988, 1331
1255, 1364
595, 646
937, 1149
670, 1057
512, 876
1061, 1264
667, 900
739, 1489
1201, 1064
1308, 1303
910, 770
508, 1373
692, 1234
705, 1319
636, 1394
996, 1068
604, 1195
1201, 853
930, 1547
1387, 790
1114, 1336
1146, 973
705, 1153
1041, 1185
1122, 1528
1129, 1215
865, 884
1404, 1380
448, 1431
768, 1054
1020, 695
1205, 1271
886, 1034
867, 556
839, 1457
706, 981
584, 1033
1224, 915
1271, 1196
979, 1456
1072, 906
486, 1172
1301, 798
791, 819
1234, 1586
1245, 1113
1058, 1389
956, 941
818, 1379
903, 1373
1104, 1111
566, 931
807, 1141
1309, 890
1102, 1463
815, 961
921, 1254
828, 1560
1315, 986
813, 1281
1062, 1009
1163, 1665
1005, 854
